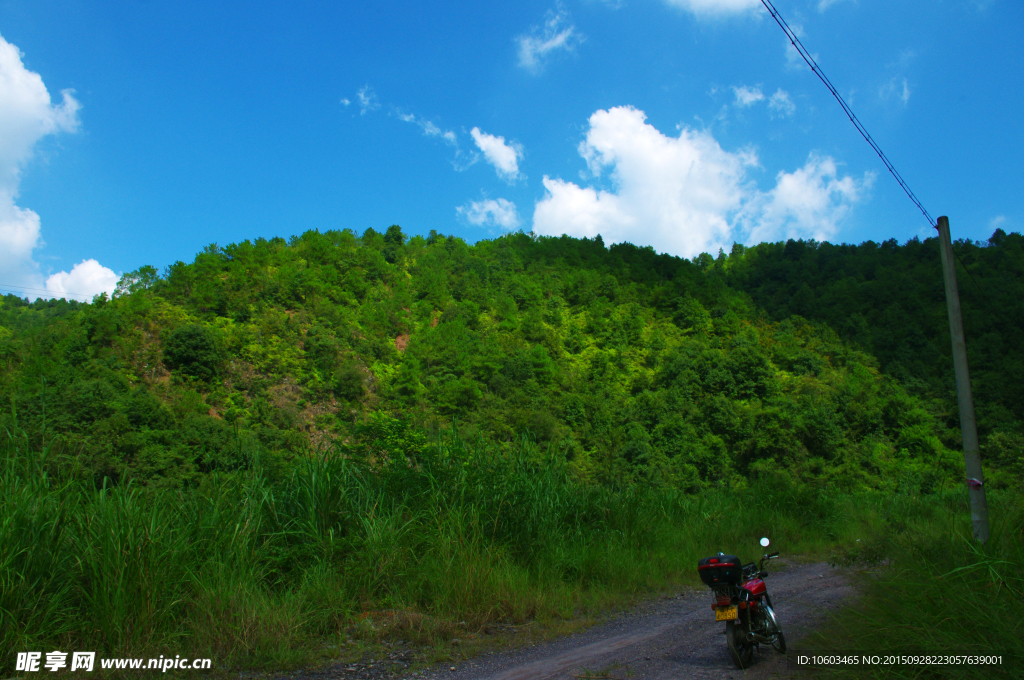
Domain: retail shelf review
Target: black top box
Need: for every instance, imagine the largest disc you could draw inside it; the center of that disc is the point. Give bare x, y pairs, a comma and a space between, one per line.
720, 570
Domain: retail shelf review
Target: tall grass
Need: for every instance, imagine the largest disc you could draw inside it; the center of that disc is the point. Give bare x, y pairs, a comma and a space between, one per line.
250, 570
930, 588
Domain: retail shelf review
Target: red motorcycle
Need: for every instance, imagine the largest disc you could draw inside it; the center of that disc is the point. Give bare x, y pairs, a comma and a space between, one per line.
742, 601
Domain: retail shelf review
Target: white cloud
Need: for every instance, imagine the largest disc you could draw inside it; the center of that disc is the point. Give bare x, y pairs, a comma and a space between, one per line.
367, 100
490, 212
87, 278
996, 221
686, 195
747, 96
345, 101
716, 8
896, 87
504, 157
554, 35
673, 193
19, 236
462, 159
429, 128
810, 202
27, 114
781, 103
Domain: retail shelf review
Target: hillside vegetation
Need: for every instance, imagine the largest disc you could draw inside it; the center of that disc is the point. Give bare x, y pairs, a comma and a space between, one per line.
284, 443
634, 365
890, 300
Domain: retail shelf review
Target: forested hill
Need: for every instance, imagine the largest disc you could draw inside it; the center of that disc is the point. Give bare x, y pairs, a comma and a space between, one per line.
890, 300
634, 366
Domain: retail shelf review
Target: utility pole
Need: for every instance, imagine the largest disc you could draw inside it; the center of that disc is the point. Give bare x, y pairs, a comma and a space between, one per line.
968, 427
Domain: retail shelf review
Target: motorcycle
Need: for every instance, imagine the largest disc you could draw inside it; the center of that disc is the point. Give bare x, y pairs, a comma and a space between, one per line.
743, 603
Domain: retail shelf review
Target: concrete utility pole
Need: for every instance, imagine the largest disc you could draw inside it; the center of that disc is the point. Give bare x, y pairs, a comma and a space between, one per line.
968, 428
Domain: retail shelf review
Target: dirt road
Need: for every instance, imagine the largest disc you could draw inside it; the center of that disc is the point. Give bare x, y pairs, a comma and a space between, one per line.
670, 638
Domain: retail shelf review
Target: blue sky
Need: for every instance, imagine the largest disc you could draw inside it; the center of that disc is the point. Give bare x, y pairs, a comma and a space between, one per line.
137, 133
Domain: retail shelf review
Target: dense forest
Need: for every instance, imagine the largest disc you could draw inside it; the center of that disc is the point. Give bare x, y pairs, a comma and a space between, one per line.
823, 363
292, 451
889, 300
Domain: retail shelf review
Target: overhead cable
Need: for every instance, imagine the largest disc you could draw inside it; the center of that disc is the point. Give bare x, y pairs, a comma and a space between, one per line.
795, 41
46, 290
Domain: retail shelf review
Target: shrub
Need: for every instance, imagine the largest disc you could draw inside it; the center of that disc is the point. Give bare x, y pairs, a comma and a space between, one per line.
193, 350
348, 383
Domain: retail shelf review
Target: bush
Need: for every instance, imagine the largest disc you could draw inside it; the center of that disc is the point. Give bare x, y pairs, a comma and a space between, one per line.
193, 350
348, 383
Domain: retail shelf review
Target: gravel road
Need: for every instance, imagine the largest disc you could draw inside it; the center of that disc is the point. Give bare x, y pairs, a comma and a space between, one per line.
674, 637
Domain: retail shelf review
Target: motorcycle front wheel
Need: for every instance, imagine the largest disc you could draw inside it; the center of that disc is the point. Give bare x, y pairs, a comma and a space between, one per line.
742, 652
773, 629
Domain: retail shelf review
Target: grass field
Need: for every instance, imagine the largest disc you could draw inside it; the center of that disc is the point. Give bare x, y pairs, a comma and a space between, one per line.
261, 571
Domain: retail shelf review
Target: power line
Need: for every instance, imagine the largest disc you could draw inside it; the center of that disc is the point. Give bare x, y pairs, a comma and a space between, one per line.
795, 41
46, 290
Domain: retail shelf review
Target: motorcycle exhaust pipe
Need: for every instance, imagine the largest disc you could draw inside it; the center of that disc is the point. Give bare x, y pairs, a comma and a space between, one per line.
754, 637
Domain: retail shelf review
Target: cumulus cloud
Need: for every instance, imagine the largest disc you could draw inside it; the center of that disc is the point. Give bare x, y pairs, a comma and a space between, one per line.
554, 35
686, 195
747, 96
504, 157
27, 115
367, 99
673, 193
781, 104
810, 202
19, 235
716, 8
88, 277
491, 212
825, 4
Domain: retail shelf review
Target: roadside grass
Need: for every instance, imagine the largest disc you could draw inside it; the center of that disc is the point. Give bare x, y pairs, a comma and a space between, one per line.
938, 592
257, 572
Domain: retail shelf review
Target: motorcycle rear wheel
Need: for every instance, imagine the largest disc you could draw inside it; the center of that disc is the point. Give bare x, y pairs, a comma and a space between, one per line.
742, 652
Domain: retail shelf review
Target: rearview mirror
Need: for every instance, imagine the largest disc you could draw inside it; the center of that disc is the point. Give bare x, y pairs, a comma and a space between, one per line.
765, 542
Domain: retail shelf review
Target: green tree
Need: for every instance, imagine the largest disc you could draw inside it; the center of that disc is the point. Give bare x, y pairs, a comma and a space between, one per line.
193, 350
142, 278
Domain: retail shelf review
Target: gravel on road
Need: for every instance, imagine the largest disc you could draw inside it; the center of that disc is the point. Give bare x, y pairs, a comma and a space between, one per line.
671, 637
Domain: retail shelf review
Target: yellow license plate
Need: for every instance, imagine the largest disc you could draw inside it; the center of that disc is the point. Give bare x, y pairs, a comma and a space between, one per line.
727, 613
